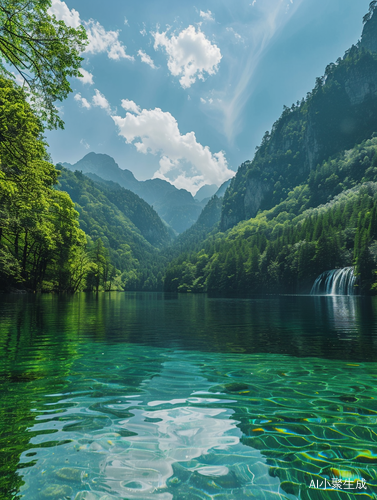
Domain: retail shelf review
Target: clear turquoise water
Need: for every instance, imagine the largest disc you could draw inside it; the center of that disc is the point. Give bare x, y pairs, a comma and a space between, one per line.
154, 396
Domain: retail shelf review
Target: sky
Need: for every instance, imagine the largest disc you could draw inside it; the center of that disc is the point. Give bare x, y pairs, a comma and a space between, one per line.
184, 91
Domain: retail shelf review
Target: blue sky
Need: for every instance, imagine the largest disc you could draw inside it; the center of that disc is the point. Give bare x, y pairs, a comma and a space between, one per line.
184, 91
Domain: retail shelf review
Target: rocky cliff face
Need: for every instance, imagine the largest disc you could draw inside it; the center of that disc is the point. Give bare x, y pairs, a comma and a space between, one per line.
368, 37
361, 85
256, 191
339, 112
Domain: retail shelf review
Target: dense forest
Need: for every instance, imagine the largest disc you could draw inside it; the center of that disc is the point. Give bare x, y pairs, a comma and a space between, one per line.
306, 203
41, 243
122, 229
283, 252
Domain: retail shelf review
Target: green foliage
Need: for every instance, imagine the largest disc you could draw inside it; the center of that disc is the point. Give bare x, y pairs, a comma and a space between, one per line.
176, 207
41, 244
43, 51
285, 248
39, 233
207, 222
125, 235
101, 272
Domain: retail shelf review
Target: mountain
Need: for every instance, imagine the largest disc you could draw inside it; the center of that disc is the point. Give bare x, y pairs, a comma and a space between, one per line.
176, 207
368, 38
104, 166
207, 222
222, 189
206, 192
194, 236
130, 230
340, 112
307, 203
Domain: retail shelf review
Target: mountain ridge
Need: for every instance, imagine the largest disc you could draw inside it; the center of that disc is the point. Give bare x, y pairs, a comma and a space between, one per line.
129, 228
177, 207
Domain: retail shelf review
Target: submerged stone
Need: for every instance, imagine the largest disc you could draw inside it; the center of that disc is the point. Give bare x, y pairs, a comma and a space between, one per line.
69, 474
57, 491
89, 495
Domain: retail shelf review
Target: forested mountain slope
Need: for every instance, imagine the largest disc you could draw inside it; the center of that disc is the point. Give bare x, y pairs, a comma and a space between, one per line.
208, 221
175, 206
307, 202
127, 226
341, 111
285, 248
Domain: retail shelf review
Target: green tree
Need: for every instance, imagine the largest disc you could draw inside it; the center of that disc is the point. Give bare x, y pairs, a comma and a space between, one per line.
43, 51
97, 277
38, 225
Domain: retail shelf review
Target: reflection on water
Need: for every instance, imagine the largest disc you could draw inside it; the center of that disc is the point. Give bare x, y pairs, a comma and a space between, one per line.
339, 311
135, 396
293, 325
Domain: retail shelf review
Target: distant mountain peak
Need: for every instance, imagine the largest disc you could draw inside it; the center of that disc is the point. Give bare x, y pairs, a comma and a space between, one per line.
103, 165
175, 206
93, 155
206, 191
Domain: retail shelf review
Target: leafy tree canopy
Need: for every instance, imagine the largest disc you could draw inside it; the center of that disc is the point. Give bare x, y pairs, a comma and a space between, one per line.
41, 244
43, 51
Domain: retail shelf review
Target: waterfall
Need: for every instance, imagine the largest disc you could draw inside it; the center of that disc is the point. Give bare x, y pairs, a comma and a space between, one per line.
335, 282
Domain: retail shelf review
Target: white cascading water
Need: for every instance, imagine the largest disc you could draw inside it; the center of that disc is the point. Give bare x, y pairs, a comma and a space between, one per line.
335, 282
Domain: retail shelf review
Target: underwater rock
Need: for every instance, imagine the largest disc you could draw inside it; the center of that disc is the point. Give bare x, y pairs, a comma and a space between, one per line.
88, 495
69, 474
232, 387
57, 491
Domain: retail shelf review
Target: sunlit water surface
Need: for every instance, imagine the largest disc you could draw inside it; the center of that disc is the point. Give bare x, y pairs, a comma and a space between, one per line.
153, 396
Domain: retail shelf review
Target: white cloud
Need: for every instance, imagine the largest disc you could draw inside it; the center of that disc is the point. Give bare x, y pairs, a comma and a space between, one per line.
145, 58
203, 100
100, 40
237, 36
84, 143
143, 32
131, 106
190, 53
183, 160
61, 11
100, 101
86, 76
126, 21
81, 100
207, 16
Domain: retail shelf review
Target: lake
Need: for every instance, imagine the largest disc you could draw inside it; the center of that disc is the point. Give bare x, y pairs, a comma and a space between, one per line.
158, 396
